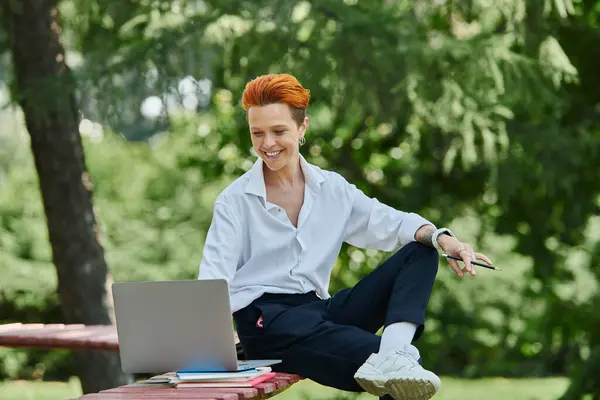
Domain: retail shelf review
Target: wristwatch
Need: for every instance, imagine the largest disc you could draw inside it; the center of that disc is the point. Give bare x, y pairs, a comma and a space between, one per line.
438, 232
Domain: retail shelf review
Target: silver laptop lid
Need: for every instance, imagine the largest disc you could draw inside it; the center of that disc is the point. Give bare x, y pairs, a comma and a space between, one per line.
172, 325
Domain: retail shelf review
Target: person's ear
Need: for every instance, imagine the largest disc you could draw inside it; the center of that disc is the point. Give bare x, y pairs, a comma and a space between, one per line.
304, 126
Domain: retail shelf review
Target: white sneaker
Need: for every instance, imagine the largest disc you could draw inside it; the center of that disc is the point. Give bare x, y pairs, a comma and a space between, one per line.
398, 374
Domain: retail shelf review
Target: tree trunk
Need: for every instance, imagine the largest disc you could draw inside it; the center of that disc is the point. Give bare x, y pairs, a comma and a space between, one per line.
45, 91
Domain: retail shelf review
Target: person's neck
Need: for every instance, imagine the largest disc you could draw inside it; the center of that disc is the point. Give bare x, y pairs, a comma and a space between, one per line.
289, 176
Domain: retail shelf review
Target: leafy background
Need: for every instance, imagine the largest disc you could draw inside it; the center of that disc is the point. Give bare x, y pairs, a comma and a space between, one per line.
478, 115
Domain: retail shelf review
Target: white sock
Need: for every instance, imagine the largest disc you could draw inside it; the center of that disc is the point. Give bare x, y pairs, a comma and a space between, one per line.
395, 336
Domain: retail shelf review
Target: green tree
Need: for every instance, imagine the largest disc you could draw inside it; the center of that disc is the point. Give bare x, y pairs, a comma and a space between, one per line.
44, 88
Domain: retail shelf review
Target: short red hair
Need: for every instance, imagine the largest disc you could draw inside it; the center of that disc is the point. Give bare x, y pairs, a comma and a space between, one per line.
277, 88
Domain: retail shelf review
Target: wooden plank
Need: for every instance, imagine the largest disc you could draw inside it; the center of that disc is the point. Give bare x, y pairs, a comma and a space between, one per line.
266, 387
95, 337
60, 336
36, 334
92, 338
157, 391
5, 327
242, 393
147, 390
50, 336
137, 396
281, 382
293, 378
169, 393
11, 329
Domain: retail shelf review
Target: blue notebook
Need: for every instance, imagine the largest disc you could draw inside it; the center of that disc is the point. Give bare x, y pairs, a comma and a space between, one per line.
215, 368
223, 376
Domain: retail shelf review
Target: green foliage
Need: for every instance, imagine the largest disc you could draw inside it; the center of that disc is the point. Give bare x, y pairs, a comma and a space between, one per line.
478, 114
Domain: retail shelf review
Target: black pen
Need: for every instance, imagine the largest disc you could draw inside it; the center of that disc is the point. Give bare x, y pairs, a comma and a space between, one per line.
473, 262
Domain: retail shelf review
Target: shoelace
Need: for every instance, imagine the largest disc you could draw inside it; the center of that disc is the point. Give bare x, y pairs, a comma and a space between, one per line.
402, 354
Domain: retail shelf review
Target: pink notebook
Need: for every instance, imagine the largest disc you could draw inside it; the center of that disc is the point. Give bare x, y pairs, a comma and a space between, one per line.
224, 384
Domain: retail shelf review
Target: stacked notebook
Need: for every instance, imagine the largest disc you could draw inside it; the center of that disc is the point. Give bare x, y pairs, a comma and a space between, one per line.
244, 378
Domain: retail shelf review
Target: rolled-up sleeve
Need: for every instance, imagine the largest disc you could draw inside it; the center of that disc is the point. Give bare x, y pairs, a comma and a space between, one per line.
222, 247
374, 225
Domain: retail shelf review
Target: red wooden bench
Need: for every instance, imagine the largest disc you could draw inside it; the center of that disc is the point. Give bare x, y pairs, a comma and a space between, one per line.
104, 337
148, 390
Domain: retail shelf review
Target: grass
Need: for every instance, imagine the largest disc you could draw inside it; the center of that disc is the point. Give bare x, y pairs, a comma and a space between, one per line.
452, 389
29, 390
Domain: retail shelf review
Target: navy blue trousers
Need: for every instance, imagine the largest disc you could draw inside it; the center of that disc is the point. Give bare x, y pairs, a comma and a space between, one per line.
328, 340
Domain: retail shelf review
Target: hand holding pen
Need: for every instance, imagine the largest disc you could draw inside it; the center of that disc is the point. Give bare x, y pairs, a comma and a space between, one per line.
473, 262
455, 250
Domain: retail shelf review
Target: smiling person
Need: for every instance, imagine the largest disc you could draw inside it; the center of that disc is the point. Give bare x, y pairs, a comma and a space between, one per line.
275, 235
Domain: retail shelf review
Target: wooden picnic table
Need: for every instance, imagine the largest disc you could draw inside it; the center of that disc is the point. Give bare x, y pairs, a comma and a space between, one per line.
104, 337
149, 390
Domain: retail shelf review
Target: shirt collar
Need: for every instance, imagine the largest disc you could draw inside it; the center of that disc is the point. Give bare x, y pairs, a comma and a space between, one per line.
256, 184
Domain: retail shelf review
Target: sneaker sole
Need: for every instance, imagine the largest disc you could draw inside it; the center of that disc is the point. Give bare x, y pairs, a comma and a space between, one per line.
410, 389
372, 384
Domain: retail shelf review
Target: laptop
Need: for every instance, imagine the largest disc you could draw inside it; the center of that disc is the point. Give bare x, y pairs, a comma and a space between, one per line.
184, 325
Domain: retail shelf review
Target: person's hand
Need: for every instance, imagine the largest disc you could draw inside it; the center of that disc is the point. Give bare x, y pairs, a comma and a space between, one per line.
453, 247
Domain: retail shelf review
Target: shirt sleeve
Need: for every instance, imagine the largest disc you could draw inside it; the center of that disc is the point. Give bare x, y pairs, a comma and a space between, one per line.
374, 225
222, 247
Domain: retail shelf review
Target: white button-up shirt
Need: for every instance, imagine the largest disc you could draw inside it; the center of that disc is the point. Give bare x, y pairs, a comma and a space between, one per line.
253, 245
